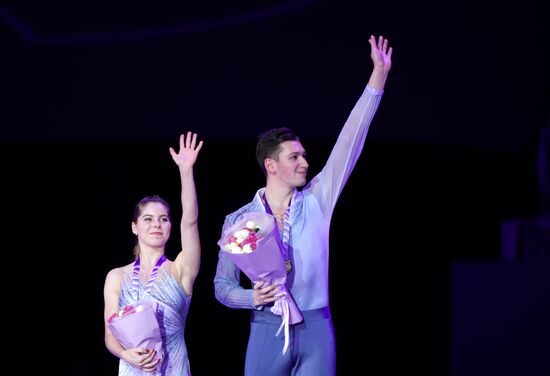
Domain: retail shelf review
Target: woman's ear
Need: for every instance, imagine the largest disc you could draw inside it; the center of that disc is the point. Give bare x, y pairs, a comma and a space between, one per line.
134, 228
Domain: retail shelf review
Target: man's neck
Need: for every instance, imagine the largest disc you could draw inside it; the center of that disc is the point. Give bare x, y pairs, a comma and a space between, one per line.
278, 197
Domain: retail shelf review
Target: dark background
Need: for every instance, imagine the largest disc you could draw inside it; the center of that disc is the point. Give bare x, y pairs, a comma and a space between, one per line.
94, 93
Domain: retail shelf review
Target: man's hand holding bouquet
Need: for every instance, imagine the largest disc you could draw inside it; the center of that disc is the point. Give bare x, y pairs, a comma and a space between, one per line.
254, 247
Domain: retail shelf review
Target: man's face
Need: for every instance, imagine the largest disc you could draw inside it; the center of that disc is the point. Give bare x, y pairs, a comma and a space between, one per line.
291, 166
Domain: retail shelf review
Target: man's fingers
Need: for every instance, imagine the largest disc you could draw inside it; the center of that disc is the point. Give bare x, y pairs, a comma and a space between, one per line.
258, 284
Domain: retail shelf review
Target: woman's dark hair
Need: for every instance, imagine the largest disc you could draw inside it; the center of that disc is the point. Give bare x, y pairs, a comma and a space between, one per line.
268, 145
138, 209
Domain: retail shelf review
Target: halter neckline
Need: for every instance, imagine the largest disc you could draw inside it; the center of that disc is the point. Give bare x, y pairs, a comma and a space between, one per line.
152, 275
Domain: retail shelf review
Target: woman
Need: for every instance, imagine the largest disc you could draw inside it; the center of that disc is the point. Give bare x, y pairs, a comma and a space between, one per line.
152, 277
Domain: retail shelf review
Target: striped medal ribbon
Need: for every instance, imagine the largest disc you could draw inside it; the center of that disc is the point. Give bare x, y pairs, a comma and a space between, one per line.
286, 232
152, 276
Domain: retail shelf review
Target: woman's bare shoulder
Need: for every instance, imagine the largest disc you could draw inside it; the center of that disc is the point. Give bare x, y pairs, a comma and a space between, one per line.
116, 273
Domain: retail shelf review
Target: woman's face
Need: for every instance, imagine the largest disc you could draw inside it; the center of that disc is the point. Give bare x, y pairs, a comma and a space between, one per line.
153, 225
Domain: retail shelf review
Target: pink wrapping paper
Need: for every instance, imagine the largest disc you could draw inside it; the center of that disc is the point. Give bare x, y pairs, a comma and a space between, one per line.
139, 329
266, 264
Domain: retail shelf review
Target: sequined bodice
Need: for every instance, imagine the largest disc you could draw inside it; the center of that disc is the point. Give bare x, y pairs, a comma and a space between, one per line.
172, 313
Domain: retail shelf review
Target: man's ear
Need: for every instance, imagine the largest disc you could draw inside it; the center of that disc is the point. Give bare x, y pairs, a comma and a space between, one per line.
269, 165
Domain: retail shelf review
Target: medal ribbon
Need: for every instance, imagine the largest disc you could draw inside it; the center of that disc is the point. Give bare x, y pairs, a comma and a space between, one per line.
152, 276
286, 230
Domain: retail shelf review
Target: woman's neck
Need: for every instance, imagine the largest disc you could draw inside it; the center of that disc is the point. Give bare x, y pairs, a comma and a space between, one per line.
148, 257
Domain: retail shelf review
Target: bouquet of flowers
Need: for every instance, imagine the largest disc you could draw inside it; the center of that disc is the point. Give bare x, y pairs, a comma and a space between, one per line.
254, 246
137, 326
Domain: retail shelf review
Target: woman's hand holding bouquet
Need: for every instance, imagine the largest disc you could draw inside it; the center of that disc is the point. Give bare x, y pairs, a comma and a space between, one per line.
136, 328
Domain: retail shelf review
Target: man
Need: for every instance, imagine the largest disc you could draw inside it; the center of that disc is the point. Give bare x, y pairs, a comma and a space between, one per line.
303, 217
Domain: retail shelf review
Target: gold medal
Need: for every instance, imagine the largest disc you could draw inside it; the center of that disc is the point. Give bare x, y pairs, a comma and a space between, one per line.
288, 266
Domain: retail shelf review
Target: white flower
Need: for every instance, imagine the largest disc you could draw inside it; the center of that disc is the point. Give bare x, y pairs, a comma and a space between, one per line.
250, 225
234, 247
241, 235
247, 248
